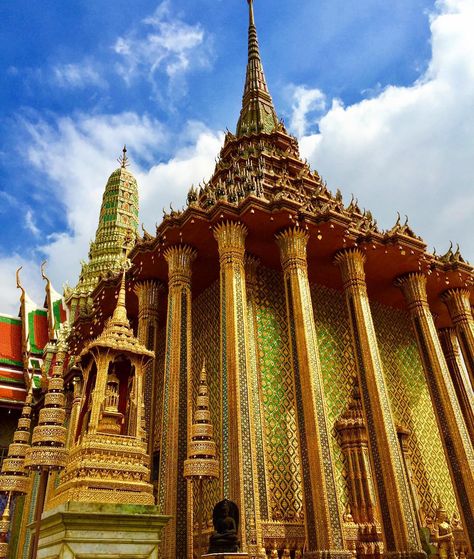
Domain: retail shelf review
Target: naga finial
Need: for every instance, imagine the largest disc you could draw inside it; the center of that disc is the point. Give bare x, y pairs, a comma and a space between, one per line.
18, 281
43, 274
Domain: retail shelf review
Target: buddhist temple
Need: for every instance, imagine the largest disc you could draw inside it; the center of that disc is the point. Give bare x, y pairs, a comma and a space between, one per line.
269, 345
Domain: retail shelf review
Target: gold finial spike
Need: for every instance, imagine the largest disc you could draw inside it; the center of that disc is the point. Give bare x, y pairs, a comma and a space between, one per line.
256, 100
120, 312
123, 160
251, 14
6, 510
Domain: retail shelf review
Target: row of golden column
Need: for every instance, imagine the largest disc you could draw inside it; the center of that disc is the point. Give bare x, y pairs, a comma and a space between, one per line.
239, 464
239, 473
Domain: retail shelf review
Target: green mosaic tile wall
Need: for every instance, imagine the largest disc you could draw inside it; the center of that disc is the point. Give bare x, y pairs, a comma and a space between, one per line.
338, 368
411, 405
279, 409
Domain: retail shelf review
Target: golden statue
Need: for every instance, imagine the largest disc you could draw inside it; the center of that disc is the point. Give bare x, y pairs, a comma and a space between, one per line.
444, 535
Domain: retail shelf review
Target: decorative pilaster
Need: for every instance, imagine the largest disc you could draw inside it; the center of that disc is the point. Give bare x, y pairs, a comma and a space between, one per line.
397, 514
239, 457
148, 293
322, 516
174, 491
462, 385
459, 307
457, 445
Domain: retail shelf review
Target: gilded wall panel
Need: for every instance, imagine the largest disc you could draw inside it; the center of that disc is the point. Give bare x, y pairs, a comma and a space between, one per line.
279, 412
205, 346
412, 408
338, 368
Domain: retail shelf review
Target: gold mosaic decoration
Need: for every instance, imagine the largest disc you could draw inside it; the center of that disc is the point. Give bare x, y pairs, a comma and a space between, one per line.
412, 408
205, 319
279, 409
338, 368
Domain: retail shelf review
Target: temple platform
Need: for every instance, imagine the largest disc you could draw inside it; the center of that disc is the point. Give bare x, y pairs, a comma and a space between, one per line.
74, 530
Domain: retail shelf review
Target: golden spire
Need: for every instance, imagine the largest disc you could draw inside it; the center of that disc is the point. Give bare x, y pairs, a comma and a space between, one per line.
4, 527
201, 462
120, 312
48, 443
13, 476
257, 114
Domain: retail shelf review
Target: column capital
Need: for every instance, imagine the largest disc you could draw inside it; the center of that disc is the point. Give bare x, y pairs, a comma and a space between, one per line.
148, 292
457, 299
230, 237
293, 243
351, 262
179, 259
413, 286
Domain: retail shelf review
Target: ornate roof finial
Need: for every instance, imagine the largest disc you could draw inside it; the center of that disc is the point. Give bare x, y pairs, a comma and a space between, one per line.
258, 113
18, 282
123, 160
44, 276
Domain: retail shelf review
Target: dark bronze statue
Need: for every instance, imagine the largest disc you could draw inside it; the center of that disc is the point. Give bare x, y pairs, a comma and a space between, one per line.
225, 518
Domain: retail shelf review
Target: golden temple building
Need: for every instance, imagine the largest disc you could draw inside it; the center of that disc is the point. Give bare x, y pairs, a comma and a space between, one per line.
268, 344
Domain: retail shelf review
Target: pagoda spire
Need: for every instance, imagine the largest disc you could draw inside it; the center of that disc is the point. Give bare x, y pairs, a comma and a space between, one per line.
258, 113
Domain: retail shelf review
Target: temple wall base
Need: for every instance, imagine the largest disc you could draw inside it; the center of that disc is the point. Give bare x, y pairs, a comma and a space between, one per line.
89, 530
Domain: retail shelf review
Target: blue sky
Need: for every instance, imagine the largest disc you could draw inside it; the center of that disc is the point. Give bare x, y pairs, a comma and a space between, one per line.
380, 94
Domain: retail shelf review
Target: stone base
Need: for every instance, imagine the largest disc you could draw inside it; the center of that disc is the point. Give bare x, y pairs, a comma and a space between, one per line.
90, 530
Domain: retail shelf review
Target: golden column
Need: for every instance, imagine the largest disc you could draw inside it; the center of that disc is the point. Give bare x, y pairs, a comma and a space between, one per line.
239, 458
457, 445
148, 293
322, 516
174, 491
397, 514
459, 307
462, 385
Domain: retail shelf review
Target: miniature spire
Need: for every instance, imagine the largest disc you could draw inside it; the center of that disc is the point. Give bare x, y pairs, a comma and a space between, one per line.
258, 113
13, 476
120, 312
123, 160
201, 462
48, 443
4, 528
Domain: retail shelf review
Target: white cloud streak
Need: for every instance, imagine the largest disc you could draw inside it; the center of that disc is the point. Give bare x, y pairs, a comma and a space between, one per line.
163, 44
411, 148
76, 76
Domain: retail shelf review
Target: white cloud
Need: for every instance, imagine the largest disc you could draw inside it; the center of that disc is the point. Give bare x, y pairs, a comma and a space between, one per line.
411, 148
30, 223
76, 76
307, 105
163, 45
76, 156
